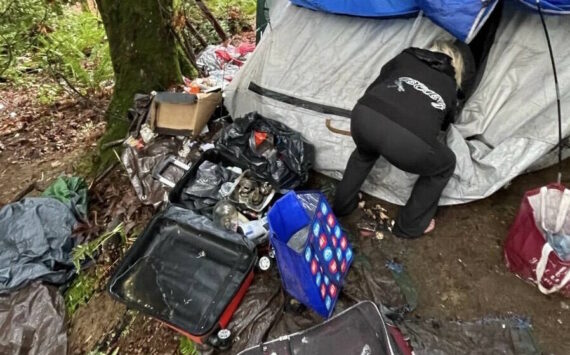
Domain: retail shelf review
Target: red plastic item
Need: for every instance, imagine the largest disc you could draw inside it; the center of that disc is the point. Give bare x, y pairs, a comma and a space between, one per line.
226, 316
260, 137
525, 246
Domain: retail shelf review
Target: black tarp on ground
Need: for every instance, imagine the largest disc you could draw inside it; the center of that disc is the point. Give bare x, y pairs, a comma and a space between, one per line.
266, 312
361, 329
35, 242
509, 336
32, 321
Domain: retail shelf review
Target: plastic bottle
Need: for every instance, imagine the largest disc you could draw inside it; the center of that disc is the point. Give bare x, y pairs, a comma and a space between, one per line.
225, 215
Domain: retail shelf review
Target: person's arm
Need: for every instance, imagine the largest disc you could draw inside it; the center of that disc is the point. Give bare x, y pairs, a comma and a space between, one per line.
449, 118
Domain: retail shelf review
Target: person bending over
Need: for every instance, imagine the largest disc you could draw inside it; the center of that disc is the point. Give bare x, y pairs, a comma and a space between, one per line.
399, 117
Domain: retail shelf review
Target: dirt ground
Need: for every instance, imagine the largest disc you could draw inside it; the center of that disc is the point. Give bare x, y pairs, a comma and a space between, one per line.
458, 270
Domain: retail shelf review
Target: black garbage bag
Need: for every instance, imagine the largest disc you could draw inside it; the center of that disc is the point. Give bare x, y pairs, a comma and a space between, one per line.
271, 150
32, 321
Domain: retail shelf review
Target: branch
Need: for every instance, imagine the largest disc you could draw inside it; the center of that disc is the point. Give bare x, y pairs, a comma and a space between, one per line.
27, 189
10, 56
208, 15
187, 50
196, 34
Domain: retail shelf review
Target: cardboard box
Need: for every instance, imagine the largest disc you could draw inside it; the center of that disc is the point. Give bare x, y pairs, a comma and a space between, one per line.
181, 114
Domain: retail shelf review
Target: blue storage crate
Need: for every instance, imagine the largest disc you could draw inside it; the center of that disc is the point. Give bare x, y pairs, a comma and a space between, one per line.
312, 251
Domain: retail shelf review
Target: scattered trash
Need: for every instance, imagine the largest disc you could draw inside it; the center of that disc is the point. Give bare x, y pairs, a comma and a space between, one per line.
221, 63
181, 113
271, 150
147, 134
207, 146
2, 106
141, 164
255, 230
225, 215
312, 251
375, 222
12, 115
163, 165
361, 329
564, 305
405, 283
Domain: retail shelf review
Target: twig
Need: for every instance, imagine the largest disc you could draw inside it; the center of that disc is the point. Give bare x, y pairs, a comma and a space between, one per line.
210, 17
29, 188
103, 175
187, 50
196, 34
10, 56
112, 144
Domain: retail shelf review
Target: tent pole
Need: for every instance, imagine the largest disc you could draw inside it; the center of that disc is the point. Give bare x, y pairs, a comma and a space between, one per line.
260, 20
557, 91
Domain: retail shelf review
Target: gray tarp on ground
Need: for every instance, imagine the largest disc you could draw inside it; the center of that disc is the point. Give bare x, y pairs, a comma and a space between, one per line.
35, 242
507, 126
32, 321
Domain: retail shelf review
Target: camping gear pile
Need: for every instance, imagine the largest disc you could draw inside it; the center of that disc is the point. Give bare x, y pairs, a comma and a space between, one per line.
227, 186
230, 203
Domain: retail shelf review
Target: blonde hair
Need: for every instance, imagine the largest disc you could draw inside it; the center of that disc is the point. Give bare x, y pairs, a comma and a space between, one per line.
447, 47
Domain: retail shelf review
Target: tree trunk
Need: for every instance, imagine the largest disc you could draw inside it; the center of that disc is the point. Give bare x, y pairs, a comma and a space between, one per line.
143, 52
210, 17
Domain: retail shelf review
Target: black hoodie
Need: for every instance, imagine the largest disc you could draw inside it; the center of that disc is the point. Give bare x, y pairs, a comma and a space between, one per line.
416, 90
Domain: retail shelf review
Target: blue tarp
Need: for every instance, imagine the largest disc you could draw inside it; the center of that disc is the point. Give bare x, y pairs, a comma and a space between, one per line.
551, 6
366, 8
461, 18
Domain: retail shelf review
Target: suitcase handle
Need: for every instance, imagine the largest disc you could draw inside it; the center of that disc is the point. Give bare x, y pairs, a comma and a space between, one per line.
541, 268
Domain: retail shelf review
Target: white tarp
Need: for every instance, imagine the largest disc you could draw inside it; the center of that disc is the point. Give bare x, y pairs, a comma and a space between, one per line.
506, 127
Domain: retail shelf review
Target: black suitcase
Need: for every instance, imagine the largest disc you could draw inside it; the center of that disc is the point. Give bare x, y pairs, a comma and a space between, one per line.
186, 272
359, 330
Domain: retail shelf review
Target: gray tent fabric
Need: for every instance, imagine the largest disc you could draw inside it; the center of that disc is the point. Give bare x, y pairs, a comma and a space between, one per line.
508, 125
32, 321
35, 242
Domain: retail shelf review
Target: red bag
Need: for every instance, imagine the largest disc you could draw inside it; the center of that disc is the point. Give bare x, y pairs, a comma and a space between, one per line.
527, 251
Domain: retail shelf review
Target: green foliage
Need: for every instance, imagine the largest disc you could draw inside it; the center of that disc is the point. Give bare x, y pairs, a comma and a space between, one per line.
233, 15
77, 49
43, 36
187, 347
87, 251
80, 291
21, 22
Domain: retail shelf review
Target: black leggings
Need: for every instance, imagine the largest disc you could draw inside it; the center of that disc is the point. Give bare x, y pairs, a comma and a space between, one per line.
376, 135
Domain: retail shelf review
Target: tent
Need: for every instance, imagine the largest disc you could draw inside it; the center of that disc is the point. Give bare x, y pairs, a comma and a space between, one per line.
312, 66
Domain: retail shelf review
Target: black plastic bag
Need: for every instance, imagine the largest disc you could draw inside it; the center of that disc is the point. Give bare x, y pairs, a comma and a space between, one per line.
271, 150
